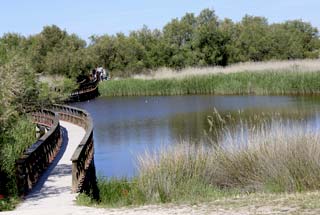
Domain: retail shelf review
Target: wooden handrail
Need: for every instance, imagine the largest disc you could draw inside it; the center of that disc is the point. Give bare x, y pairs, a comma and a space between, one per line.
37, 158
85, 91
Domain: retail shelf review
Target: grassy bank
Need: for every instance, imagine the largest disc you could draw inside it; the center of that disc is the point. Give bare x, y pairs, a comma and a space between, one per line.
241, 83
275, 157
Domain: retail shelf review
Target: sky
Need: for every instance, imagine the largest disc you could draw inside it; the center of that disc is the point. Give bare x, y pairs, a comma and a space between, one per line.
98, 17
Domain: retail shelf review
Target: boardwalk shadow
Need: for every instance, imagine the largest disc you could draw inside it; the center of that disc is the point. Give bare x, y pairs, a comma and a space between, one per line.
54, 171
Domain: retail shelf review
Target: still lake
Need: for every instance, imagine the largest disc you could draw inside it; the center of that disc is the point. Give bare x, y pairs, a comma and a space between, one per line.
125, 127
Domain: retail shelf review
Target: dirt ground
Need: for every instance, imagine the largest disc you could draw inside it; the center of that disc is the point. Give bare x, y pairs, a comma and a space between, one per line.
299, 203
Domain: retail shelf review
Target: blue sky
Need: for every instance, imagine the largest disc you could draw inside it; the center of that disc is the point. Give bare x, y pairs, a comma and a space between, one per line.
88, 17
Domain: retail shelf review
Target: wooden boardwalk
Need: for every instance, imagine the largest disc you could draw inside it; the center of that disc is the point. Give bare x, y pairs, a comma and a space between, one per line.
53, 191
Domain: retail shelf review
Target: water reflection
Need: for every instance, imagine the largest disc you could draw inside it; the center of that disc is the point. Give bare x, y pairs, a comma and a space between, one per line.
125, 127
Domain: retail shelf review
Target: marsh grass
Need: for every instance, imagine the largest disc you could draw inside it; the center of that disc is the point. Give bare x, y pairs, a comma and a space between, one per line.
306, 65
266, 82
278, 156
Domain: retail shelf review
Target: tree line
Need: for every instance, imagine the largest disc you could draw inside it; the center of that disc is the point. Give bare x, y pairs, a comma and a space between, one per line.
189, 41
204, 40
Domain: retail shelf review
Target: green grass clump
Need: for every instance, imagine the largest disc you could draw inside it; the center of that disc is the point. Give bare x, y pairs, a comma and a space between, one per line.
121, 192
242, 83
8, 204
115, 192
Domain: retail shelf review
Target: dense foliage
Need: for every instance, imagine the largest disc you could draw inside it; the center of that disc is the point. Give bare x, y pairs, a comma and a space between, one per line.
204, 40
53, 51
19, 94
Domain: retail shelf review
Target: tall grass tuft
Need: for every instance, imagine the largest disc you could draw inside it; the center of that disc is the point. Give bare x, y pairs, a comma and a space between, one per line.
275, 157
265, 82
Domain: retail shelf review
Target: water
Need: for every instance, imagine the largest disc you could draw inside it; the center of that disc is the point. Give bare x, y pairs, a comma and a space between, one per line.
125, 127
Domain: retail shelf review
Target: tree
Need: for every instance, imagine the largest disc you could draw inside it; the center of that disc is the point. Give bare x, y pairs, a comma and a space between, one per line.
103, 50
152, 42
10, 45
229, 32
253, 42
178, 36
209, 41
54, 51
304, 35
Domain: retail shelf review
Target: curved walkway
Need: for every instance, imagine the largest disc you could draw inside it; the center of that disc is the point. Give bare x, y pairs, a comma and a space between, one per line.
53, 191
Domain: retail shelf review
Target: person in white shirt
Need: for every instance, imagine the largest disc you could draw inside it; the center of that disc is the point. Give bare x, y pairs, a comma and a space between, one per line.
99, 73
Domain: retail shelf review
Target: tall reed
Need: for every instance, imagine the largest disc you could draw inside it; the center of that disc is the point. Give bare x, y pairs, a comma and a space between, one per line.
305, 65
277, 156
259, 83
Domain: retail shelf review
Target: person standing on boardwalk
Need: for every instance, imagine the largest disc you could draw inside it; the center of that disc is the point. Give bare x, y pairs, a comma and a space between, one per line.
99, 73
94, 73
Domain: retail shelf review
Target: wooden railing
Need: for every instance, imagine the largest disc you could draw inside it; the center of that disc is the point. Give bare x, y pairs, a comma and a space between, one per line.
37, 158
82, 158
86, 91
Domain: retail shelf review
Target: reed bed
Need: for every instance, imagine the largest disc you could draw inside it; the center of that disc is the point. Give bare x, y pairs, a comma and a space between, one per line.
305, 65
266, 82
275, 157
